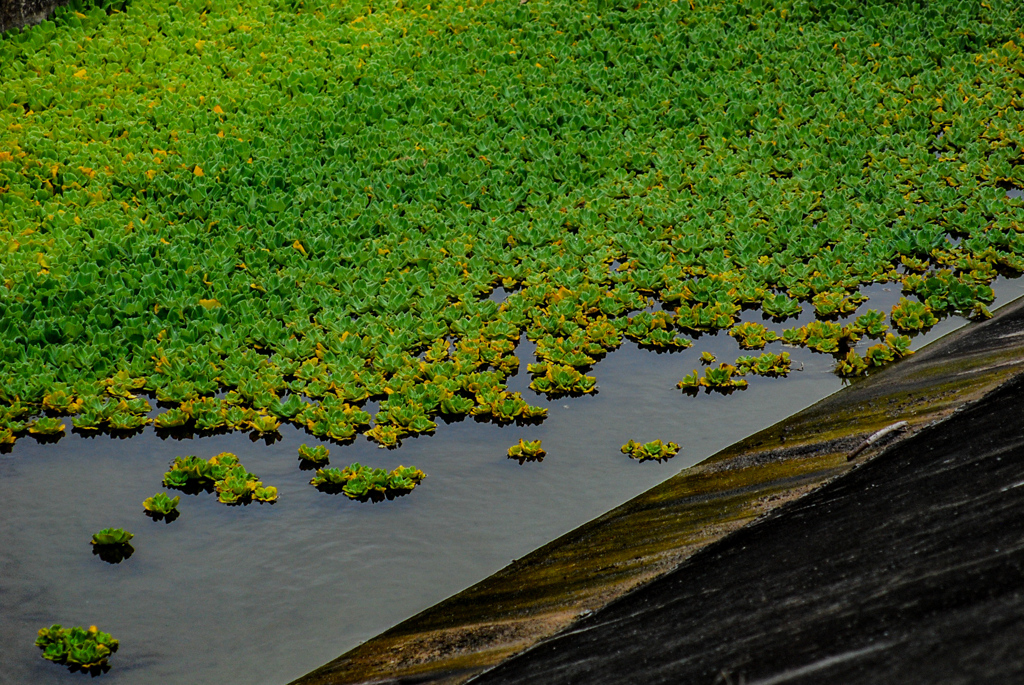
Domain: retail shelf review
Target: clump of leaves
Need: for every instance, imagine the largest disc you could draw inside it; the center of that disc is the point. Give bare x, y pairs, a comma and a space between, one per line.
752, 336
170, 419
836, 303
264, 424
386, 435
112, 536
908, 315
655, 330
655, 450
222, 473
944, 291
720, 379
872, 323
46, 425
364, 483
111, 545
780, 306
318, 454
767, 364
706, 358
556, 380
161, 506
86, 649
851, 365
894, 347
526, 450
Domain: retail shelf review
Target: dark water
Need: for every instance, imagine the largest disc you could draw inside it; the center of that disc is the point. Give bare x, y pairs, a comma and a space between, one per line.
263, 594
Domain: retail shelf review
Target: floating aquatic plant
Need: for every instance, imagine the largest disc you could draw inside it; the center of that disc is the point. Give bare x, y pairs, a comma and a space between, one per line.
289, 233
86, 649
318, 454
721, 379
222, 473
112, 536
46, 425
161, 505
655, 450
557, 380
894, 347
526, 450
908, 315
364, 483
872, 323
752, 336
767, 364
111, 545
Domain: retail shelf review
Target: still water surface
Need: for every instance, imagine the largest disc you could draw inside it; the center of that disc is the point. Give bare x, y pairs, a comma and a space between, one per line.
262, 594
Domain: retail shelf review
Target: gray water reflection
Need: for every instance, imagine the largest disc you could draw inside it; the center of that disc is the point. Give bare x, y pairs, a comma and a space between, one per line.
262, 594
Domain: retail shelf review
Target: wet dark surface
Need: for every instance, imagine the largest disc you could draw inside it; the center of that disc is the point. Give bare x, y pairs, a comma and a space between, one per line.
910, 569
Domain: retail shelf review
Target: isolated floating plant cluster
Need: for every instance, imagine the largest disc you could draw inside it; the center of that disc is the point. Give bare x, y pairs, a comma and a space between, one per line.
271, 212
85, 649
655, 450
222, 473
365, 483
527, 450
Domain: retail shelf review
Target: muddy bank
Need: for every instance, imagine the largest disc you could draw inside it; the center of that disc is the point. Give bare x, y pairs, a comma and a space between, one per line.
586, 569
910, 570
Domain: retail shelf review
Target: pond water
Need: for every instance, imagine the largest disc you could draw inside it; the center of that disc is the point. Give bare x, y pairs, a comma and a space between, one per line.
264, 593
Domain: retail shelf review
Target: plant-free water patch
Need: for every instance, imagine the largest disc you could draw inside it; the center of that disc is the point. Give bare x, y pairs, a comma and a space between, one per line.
261, 214
364, 483
81, 649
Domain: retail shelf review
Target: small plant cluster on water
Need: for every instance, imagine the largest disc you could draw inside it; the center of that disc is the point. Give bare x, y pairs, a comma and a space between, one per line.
364, 483
655, 450
222, 473
161, 506
318, 454
112, 536
79, 648
112, 545
526, 450
314, 206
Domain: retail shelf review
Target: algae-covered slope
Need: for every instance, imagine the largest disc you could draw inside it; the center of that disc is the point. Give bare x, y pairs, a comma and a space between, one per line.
643, 539
227, 207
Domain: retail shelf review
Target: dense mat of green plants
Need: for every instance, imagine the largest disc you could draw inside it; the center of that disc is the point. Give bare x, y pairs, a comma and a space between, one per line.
289, 198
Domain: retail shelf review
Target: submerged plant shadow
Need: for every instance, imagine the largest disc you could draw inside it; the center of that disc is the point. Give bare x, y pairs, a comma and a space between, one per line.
166, 518
113, 554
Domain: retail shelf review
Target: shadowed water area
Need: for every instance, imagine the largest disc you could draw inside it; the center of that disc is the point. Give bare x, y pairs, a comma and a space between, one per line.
264, 593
